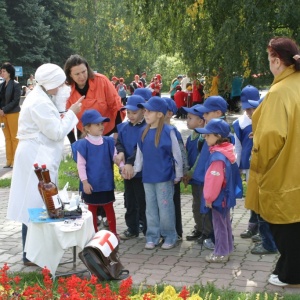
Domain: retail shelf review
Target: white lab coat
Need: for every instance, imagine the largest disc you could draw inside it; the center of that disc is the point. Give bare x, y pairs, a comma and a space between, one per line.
41, 134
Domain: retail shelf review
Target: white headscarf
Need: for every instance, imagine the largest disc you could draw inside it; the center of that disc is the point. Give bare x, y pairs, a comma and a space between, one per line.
50, 76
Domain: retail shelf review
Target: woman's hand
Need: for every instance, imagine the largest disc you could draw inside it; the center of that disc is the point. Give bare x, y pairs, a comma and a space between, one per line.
119, 157
1, 113
76, 107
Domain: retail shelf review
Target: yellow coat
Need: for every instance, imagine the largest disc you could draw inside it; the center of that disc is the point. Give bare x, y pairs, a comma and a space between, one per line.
274, 182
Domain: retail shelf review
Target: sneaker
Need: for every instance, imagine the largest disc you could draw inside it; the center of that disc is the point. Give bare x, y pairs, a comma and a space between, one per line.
149, 246
179, 238
260, 250
127, 235
201, 239
209, 244
166, 246
29, 263
212, 258
273, 279
247, 234
194, 235
256, 238
105, 222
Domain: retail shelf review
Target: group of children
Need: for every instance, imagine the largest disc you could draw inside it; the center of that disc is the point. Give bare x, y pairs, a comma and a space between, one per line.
153, 160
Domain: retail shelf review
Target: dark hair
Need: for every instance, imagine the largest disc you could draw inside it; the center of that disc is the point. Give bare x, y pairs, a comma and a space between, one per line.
9, 69
285, 49
76, 60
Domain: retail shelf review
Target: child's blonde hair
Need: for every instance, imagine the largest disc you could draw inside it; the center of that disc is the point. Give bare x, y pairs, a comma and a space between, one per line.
158, 130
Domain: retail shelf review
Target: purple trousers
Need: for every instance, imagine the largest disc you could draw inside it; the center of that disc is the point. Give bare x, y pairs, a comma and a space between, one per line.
223, 232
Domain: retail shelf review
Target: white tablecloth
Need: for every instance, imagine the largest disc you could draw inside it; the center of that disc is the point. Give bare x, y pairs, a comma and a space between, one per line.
46, 242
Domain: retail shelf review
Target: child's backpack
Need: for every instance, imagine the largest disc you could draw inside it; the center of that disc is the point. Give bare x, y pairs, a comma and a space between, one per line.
122, 91
101, 257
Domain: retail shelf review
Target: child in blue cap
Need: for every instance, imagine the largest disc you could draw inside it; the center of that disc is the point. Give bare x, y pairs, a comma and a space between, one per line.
222, 179
159, 157
134, 194
194, 143
172, 110
213, 107
94, 154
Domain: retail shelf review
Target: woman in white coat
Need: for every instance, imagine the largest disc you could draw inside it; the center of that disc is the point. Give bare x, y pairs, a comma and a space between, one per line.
41, 134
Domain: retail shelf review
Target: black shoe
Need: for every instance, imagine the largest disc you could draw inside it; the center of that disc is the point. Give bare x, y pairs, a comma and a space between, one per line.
201, 239
247, 234
193, 235
127, 235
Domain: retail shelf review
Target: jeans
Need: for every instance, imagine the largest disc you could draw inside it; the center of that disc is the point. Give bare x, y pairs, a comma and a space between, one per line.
266, 234
135, 205
160, 212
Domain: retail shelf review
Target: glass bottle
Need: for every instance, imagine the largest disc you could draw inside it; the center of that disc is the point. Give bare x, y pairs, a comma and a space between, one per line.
50, 193
38, 173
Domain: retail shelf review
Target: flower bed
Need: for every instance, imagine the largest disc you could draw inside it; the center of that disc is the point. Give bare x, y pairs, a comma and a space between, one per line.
75, 288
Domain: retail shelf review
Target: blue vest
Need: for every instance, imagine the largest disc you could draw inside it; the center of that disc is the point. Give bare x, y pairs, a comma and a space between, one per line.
129, 136
199, 172
99, 162
232, 187
246, 143
158, 162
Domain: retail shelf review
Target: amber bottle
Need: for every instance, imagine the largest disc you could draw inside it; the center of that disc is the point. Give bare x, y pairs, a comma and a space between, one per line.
50, 194
38, 173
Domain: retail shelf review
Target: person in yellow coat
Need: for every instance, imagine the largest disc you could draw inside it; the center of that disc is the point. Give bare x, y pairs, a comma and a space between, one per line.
274, 186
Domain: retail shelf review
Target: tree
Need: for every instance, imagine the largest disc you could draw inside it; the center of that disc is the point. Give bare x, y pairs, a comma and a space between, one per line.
57, 15
214, 34
31, 40
7, 33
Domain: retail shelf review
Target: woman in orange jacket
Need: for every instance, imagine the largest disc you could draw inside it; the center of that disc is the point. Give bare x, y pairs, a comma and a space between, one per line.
99, 94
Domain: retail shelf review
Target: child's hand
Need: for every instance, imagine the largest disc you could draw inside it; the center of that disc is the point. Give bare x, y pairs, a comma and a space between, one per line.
119, 157
127, 171
207, 204
185, 179
87, 188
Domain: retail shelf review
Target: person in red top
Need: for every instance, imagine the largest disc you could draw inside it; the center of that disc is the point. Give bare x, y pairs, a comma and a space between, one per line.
99, 94
198, 94
155, 87
180, 100
114, 81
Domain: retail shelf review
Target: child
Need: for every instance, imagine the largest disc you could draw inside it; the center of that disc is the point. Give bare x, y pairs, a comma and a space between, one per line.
194, 145
213, 107
243, 146
172, 110
158, 153
122, 90
134, 194
94, 155
221, 180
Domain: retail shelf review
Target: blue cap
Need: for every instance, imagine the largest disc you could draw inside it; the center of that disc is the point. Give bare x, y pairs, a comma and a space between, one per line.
213, 103
216, 126
255, 104
143, 92
155, 104
132, 103
249, 92
92, 116
192, 110
171, 105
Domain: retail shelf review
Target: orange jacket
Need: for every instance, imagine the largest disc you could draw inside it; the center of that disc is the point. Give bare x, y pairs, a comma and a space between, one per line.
101, 96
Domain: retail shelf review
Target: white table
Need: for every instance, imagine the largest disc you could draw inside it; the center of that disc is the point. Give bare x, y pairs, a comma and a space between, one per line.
46, 242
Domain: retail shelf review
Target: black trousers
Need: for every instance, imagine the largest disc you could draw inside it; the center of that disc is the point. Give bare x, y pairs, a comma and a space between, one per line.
135, 204
177, 204
287, 240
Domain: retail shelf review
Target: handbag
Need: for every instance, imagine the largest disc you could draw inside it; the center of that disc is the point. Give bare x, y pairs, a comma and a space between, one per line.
101, 257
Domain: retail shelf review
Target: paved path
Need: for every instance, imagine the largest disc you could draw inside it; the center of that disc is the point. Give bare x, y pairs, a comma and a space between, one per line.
183, 265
